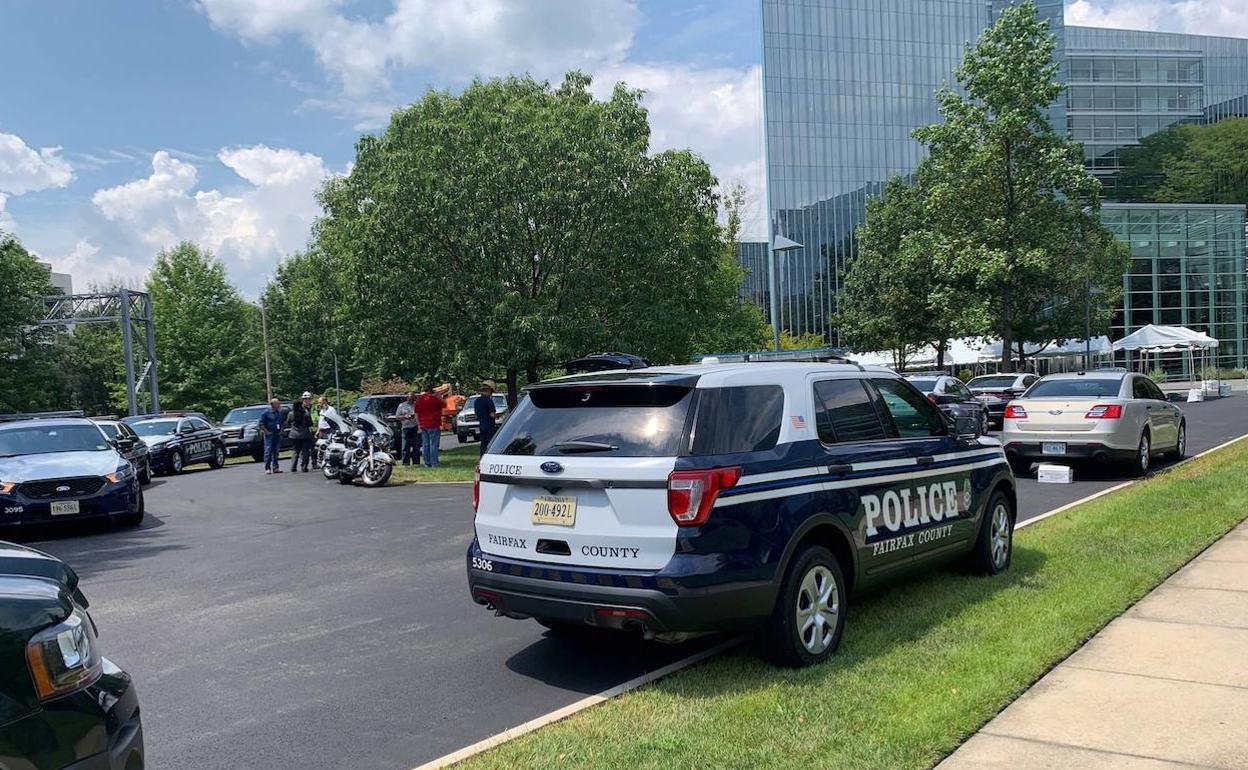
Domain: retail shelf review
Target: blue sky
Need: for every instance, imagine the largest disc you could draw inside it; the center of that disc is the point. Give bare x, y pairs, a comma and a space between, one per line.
126, 126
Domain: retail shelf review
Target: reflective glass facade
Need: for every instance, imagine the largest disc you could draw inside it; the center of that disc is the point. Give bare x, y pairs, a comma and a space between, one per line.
752, 256
846, 82
1187, 269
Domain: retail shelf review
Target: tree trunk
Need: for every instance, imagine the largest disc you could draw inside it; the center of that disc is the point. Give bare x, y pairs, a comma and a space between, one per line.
1022, 357
513, 388
531, 372
941, 347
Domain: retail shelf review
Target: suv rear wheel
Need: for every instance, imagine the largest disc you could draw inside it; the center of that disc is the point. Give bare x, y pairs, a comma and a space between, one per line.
809, 617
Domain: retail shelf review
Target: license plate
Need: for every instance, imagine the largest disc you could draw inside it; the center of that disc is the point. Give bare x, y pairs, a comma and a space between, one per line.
1053, 448
65, 508
549, 509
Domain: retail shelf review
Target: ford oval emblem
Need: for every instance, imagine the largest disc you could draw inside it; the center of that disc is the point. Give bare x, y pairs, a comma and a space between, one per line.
62, 489
552, 467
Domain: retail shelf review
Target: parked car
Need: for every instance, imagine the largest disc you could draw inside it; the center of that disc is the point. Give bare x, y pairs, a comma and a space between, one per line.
63, 705
468, 427
130, 446
602, 362
997, 390
176, 442
64, 469
950, 396
1099, 415
672, 501
382, 406
240, 430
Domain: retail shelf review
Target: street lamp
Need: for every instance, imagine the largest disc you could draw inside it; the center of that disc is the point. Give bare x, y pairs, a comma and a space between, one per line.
778, 244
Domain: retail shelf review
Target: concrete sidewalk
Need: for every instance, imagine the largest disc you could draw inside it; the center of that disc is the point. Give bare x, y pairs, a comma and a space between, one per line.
1163, 686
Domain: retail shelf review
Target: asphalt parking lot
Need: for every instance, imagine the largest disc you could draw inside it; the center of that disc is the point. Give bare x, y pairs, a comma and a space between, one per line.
287, 622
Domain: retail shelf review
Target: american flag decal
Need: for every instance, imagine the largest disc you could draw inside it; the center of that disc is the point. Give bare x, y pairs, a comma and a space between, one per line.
799, 422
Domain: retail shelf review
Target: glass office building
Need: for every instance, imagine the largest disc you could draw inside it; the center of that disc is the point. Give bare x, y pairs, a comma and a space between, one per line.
846, 82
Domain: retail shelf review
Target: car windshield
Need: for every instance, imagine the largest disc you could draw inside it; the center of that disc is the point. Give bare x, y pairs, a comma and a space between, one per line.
1080, 388
156, 427
926, 386
47, 439
992, 381
615, 420
244, 416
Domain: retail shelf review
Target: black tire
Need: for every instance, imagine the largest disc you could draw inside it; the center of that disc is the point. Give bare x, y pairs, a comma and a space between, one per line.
218, 457
177, 463
804, 592
994, 548
379, 480
1021, 466
983, 423
344, 479
1180, 449
145, 474
463, 437
133, 519
1143, 461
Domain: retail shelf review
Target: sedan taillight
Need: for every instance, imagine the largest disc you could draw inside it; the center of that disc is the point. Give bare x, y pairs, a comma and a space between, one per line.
1015, 412
1104, 412
691, 494
476, 487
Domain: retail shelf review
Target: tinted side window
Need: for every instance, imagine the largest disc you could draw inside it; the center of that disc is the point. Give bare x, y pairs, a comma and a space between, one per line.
1155, 391
844, 412
912, 415
200, 424
740, 419
1139, 388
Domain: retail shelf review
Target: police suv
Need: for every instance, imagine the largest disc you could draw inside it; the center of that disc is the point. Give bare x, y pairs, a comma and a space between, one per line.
682, 500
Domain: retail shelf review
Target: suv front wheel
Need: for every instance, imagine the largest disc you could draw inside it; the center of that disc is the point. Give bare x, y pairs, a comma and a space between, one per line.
809, 617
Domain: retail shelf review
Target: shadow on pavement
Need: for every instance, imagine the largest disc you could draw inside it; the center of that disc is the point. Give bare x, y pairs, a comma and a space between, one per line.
93, 548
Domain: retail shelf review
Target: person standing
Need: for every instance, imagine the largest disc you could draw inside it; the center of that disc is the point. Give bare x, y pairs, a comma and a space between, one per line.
325, 412
301, 432
429, 415
271, 424
406, 415
484, 408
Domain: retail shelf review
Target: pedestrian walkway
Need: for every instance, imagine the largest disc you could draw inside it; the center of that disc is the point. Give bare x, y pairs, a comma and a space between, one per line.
1163, 686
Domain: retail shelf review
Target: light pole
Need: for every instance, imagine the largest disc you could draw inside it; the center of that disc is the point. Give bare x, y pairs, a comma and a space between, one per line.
778, 244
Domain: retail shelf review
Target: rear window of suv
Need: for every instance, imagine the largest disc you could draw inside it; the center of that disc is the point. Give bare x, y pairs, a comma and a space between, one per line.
605, 420
1091, 387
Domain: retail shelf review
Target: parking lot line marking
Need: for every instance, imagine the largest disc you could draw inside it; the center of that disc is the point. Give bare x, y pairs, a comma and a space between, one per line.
580, 705
1124, 485
562, 713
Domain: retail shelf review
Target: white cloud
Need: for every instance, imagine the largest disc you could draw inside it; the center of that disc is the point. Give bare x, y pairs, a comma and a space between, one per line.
24, 169
1200, 17
6, 222
249, 229
89, 269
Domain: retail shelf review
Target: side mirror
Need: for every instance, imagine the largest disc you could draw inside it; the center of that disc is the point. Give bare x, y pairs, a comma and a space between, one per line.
124, 444
966, 427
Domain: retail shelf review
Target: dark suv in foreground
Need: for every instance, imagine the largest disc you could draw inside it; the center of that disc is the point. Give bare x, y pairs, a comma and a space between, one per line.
62, 705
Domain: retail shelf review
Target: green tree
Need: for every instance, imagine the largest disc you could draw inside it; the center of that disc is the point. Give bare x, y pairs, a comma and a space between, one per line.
1010, 198
1188, 163
29, 377
206, 334
517, 225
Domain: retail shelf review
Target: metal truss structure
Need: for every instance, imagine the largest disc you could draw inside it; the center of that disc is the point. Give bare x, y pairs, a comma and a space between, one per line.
133, 311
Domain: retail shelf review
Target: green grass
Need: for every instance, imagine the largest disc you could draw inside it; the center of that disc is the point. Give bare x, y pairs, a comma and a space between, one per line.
921, 666
453, 465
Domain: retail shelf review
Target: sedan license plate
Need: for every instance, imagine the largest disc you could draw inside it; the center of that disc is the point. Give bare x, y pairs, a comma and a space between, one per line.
66, 508
549, 509
1053, 447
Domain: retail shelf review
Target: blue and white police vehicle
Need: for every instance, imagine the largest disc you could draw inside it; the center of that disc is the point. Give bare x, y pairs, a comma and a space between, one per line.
756, 496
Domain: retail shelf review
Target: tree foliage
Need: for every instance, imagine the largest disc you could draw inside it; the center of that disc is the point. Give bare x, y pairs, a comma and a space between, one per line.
516, 225
29, 377
207, 343
1010, 199
1189, 163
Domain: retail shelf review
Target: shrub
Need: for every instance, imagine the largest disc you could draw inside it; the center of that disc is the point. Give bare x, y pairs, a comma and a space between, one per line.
965, 375
1157, 375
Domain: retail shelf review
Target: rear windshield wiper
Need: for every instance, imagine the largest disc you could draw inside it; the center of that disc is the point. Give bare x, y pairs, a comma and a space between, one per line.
570, 447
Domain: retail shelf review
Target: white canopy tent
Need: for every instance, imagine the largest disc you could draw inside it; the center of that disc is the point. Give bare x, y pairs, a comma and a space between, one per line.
1153, 339
1100, 346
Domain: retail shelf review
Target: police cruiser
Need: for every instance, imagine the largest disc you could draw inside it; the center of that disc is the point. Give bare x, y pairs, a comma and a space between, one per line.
682, 500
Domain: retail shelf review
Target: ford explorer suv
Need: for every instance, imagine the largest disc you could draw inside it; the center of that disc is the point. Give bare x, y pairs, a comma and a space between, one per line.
675, 501
62, 705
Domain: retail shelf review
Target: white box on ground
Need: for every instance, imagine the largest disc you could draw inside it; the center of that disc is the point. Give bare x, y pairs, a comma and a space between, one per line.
1195, 394
1054, 474
1224, 390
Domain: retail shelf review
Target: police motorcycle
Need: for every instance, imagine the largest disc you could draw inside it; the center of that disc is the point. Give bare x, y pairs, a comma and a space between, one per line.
361, 453
338, 431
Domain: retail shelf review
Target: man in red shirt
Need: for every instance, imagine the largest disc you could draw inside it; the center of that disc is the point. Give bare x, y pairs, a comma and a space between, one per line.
429, 417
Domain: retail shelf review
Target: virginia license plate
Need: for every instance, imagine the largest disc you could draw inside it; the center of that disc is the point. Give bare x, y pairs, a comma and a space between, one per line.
65, 508
550, 509
1053, 448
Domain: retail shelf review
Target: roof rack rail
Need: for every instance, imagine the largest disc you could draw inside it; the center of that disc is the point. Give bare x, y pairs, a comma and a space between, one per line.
61, 415
827, 355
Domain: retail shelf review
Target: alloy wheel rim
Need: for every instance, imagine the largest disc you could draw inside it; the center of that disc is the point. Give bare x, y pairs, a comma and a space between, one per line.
1000, 535
177, 461
219, 456
1144, 450
1182, 439
818, 605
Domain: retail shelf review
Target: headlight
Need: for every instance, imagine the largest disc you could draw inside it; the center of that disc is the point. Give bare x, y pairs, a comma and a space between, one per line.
121, 474
7, 487
65, 657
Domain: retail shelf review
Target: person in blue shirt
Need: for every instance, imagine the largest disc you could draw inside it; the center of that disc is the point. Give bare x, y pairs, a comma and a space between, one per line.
483, 407
271, 423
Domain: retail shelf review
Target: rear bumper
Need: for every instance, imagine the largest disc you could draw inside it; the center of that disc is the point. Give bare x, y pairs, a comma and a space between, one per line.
1074, 451
646, 602
240, 447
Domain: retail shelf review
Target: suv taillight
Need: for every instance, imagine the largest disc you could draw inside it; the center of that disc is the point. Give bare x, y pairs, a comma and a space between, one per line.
691, 494
1015, 412
476, 486
1104, 412
931, 397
